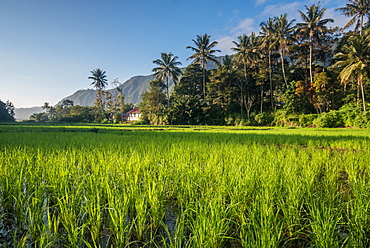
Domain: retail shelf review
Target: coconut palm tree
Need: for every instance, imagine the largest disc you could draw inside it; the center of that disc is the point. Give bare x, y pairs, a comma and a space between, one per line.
283, 34
268, 44
313, 25
203, 53
357, 9
99, 82
167, 68
355, 60
99, 79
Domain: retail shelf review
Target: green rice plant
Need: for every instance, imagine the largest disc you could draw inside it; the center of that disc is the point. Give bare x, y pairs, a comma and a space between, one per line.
208, 223
324, 222
261, 225
358, 206
71, 217
140, 217
118, 210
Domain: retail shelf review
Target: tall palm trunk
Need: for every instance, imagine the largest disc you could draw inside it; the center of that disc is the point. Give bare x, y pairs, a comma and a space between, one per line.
282, 66
168, 94
241, 90
360, 78
261, 103
311, 48
270, 77
204, 80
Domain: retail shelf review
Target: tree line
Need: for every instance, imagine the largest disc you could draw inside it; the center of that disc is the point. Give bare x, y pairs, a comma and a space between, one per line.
289, 69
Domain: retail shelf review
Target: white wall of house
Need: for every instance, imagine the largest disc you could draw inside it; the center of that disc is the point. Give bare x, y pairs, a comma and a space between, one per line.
134, 116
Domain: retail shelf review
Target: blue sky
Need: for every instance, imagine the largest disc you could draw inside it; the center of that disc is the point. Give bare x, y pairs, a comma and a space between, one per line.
49, 47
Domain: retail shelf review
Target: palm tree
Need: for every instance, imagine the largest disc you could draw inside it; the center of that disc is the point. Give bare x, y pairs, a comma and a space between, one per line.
283, 35
203, 53
99, 82
167, 68
355, 60
313, 25
99, 79
357, 9
268, 44
246, 54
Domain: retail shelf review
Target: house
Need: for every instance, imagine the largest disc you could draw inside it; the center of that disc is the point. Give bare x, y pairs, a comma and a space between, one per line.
132, 115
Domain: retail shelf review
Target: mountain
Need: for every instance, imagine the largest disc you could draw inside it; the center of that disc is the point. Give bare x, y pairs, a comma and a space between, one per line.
22, 114
132, 89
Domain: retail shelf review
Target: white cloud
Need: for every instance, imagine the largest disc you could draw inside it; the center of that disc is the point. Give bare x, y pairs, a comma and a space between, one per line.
290, 9
246, 26
225, 43
260, 2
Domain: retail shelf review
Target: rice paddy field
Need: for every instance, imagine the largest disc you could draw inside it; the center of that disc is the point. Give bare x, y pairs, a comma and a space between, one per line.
183, 186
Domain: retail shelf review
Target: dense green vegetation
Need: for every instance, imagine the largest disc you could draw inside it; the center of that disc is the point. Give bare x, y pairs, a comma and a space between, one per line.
6, 111
183, 186
292, 67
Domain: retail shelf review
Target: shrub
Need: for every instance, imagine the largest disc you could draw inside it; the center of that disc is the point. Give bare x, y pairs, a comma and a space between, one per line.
264, 119
329, 119
283, 119
307, 120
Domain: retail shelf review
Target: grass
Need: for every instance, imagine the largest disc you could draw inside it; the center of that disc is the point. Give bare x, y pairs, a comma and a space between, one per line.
191, 186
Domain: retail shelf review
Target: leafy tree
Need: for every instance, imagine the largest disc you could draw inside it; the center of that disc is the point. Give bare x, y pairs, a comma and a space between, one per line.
188, 104
247, 55
313, 25
224, 86
50, 111
11, 109
121, 100
357, 9
203, 53
152, 107
39, 117
6, 111
354, 61
167, 68
321, 91
67, 103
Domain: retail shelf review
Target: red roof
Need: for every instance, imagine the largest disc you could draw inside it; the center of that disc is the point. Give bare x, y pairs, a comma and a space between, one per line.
133, 111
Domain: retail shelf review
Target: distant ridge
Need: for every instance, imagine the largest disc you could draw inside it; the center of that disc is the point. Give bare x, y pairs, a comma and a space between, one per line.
132, 89
22, 114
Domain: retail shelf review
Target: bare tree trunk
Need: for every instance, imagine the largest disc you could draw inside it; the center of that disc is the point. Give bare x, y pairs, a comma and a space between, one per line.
261, 106
270, 77
204, 80
311, 80
360, 77
168, 95
241, 90
283, 67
